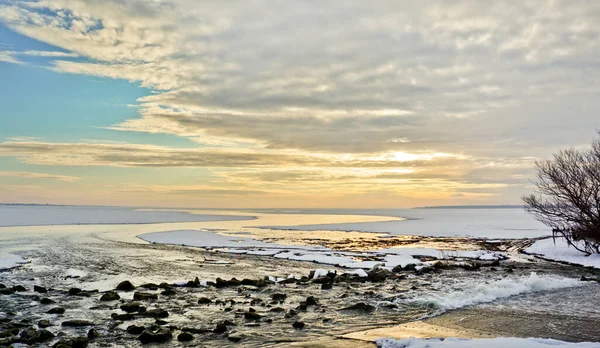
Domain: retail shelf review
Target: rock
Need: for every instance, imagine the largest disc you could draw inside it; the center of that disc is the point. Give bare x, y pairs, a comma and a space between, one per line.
2, 286
92, 334
220, 283
257, 301
144, 296
471, 266
19, 288
495, 263
291, 313
44, 323
378, 275
221, 328
29, 335
131, 307
46, 301
77, 342
509, 270
156, 313
125, 286
76, 323
74, 291
204, 300
311, 301
56, 310
122, 317
361, 307
185, 337
44, 335
233, 282
277, 310
235, 337
149, 286
278, 297
110, 296
160, 322
169, 291
326, 286
250, 282
302, 307
6, 291
9, 332
40, 289
162, 335
425, 269
410, 267
298, 325
135, 330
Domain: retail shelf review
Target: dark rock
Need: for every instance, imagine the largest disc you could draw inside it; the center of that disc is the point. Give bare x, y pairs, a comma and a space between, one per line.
131, 307
196, 330
250, 282
76, 323
160, 336
204, 300
160, 322
278, 297
44, 336
220, 283
410, 267
46, 301
185, 337
44, 323
92, 334
311, 301
6, 291
125, 286
122, 317
77, 342
74, 291
256, 301
135, 330
169, 291
144, 296
2, 286
40, 289
252, 316
19, 288
110, 296
29, 335
221, 328
326, 286
509, 270
302, 307
298, 325
149, 286
277, 310
378, 275
361, 307
156, 313
233, 282
425, 269
471, 266
496, 263
291, 313
56, 310
9, 332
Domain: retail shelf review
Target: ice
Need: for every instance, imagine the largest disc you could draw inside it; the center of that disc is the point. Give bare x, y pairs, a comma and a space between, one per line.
501, 342
559, 250
9, 261
321, 273
495, 223
474, 293
38, 215
358, 272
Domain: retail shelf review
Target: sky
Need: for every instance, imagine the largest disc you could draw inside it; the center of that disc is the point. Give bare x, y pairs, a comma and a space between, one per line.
255, 104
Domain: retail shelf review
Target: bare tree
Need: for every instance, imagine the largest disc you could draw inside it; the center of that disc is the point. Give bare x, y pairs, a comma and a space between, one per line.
568, 197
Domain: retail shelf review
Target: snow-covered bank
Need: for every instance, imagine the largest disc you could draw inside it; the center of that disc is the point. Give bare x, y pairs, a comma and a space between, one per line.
27, 215
10, 261
388, 258
476, 293
501, 342
559, 250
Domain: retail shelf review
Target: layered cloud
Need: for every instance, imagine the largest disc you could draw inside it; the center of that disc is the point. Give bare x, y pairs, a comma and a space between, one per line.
470, 91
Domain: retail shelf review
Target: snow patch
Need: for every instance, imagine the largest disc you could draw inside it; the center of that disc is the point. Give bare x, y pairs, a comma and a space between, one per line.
501, 342
561, 251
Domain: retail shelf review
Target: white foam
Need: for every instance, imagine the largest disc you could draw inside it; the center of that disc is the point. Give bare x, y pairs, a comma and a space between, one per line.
501, 342
491, 291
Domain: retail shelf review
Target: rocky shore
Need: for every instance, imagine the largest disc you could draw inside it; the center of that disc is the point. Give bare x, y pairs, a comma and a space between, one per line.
252, 311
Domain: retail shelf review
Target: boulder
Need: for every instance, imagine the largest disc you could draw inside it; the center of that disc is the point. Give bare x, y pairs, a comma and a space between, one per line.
311, 301
298, 325
185, 337
156, 313
125, 286
40, 289
204, 300
278, 297
122, 317
19, 288
56, 310
135, 330
77, 323
131, 307
161, 335
110, 296
74, 291
46, 301
144, 296
44, 323
360, 307
252, 316
92, 334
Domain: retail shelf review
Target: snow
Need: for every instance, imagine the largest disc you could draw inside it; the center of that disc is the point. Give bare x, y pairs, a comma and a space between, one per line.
508, 223
501, 342
561, 251
9, 261
358, 272
41, 215
322, 273
497, 289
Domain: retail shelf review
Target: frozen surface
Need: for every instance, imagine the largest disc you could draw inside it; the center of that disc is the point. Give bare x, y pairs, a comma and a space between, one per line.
35, 215
559, 250
501, 342
8, 261
513, 223
475, 293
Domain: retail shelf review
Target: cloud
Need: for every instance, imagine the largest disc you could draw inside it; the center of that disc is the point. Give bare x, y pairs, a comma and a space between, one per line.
31, 175
8, 57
